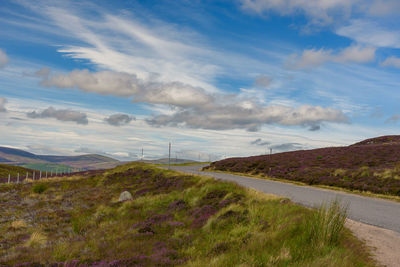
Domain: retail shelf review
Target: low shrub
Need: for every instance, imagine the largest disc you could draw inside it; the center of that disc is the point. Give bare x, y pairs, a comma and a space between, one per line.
39, 188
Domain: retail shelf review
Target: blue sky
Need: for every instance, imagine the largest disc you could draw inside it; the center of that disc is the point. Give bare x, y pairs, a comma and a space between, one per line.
215, 78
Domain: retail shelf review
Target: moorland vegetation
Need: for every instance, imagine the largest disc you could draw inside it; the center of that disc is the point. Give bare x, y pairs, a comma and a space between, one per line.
172, 219
372, 165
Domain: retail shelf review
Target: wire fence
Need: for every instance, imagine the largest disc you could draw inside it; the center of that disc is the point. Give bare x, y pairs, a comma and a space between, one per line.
38, 175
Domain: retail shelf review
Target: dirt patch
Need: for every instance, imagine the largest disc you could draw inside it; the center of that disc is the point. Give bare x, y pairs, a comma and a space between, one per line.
384, 243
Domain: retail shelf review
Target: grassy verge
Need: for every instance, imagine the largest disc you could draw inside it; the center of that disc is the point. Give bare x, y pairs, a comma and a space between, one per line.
182, 164
172, 219
357, 192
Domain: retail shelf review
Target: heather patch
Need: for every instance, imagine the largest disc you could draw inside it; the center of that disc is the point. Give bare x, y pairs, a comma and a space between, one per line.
171, 220
372, 165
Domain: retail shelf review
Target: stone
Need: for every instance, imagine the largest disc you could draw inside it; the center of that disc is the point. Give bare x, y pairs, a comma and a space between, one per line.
125, 196
284, 201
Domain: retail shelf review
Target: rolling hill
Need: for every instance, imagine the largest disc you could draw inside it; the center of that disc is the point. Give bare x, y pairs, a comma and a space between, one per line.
12, 156
173, 161
370, 165
5, 170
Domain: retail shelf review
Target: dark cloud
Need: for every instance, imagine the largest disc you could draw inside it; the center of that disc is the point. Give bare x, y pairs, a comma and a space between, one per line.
314, 128
287, 147
259, 142
119, 119
393, 119
235, 116
3, 102
3, 58
263, 81
61, 115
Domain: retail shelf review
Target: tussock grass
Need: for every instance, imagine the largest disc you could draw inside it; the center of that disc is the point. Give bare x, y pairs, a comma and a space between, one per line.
39, 188
326, 225
36, 239
173, 220
18, 224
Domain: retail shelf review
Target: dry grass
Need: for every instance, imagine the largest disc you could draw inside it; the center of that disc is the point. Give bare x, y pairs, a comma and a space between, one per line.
36, 239
18, 224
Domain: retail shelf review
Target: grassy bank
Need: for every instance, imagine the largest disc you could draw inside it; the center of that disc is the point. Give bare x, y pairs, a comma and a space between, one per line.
369, 166
172, 220
5, 170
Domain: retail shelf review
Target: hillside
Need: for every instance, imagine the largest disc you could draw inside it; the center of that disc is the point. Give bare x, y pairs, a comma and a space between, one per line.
171, 220
371, 165
164, 161
5, 170
48, 162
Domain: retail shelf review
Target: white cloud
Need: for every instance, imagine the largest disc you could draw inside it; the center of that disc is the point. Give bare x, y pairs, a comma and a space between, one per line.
129, 85
193, 106
384, 7
173, 53
391, 62
314, 58
369, 32
3, 58
3, 102
61, 115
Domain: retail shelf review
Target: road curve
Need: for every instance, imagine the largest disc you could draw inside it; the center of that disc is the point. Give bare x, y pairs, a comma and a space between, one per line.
373, 211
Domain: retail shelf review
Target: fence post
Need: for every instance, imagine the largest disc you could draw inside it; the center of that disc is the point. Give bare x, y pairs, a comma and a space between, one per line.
18, 178
46, 174
33, 176
27, 175
9, 176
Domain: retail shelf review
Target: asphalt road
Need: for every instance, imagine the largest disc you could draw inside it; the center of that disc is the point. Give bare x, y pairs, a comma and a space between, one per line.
373, 211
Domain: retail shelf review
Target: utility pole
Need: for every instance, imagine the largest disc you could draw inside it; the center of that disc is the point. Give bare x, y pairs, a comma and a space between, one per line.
270, 151
169, 156
142, 153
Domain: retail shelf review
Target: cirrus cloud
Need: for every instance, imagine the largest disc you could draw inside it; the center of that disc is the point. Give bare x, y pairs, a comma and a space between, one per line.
314, 57
391, 62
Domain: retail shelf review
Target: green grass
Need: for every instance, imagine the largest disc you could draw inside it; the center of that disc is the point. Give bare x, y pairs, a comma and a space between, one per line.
40, 188
48, 167
5, 170
173, 220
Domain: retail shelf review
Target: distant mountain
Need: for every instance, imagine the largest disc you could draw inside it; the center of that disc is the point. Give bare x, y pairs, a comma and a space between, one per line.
19, 157
165, 161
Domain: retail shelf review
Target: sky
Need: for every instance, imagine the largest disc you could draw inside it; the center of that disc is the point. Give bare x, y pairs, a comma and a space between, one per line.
216, 78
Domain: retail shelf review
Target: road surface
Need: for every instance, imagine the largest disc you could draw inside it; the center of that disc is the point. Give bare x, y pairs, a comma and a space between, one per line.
373, 211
